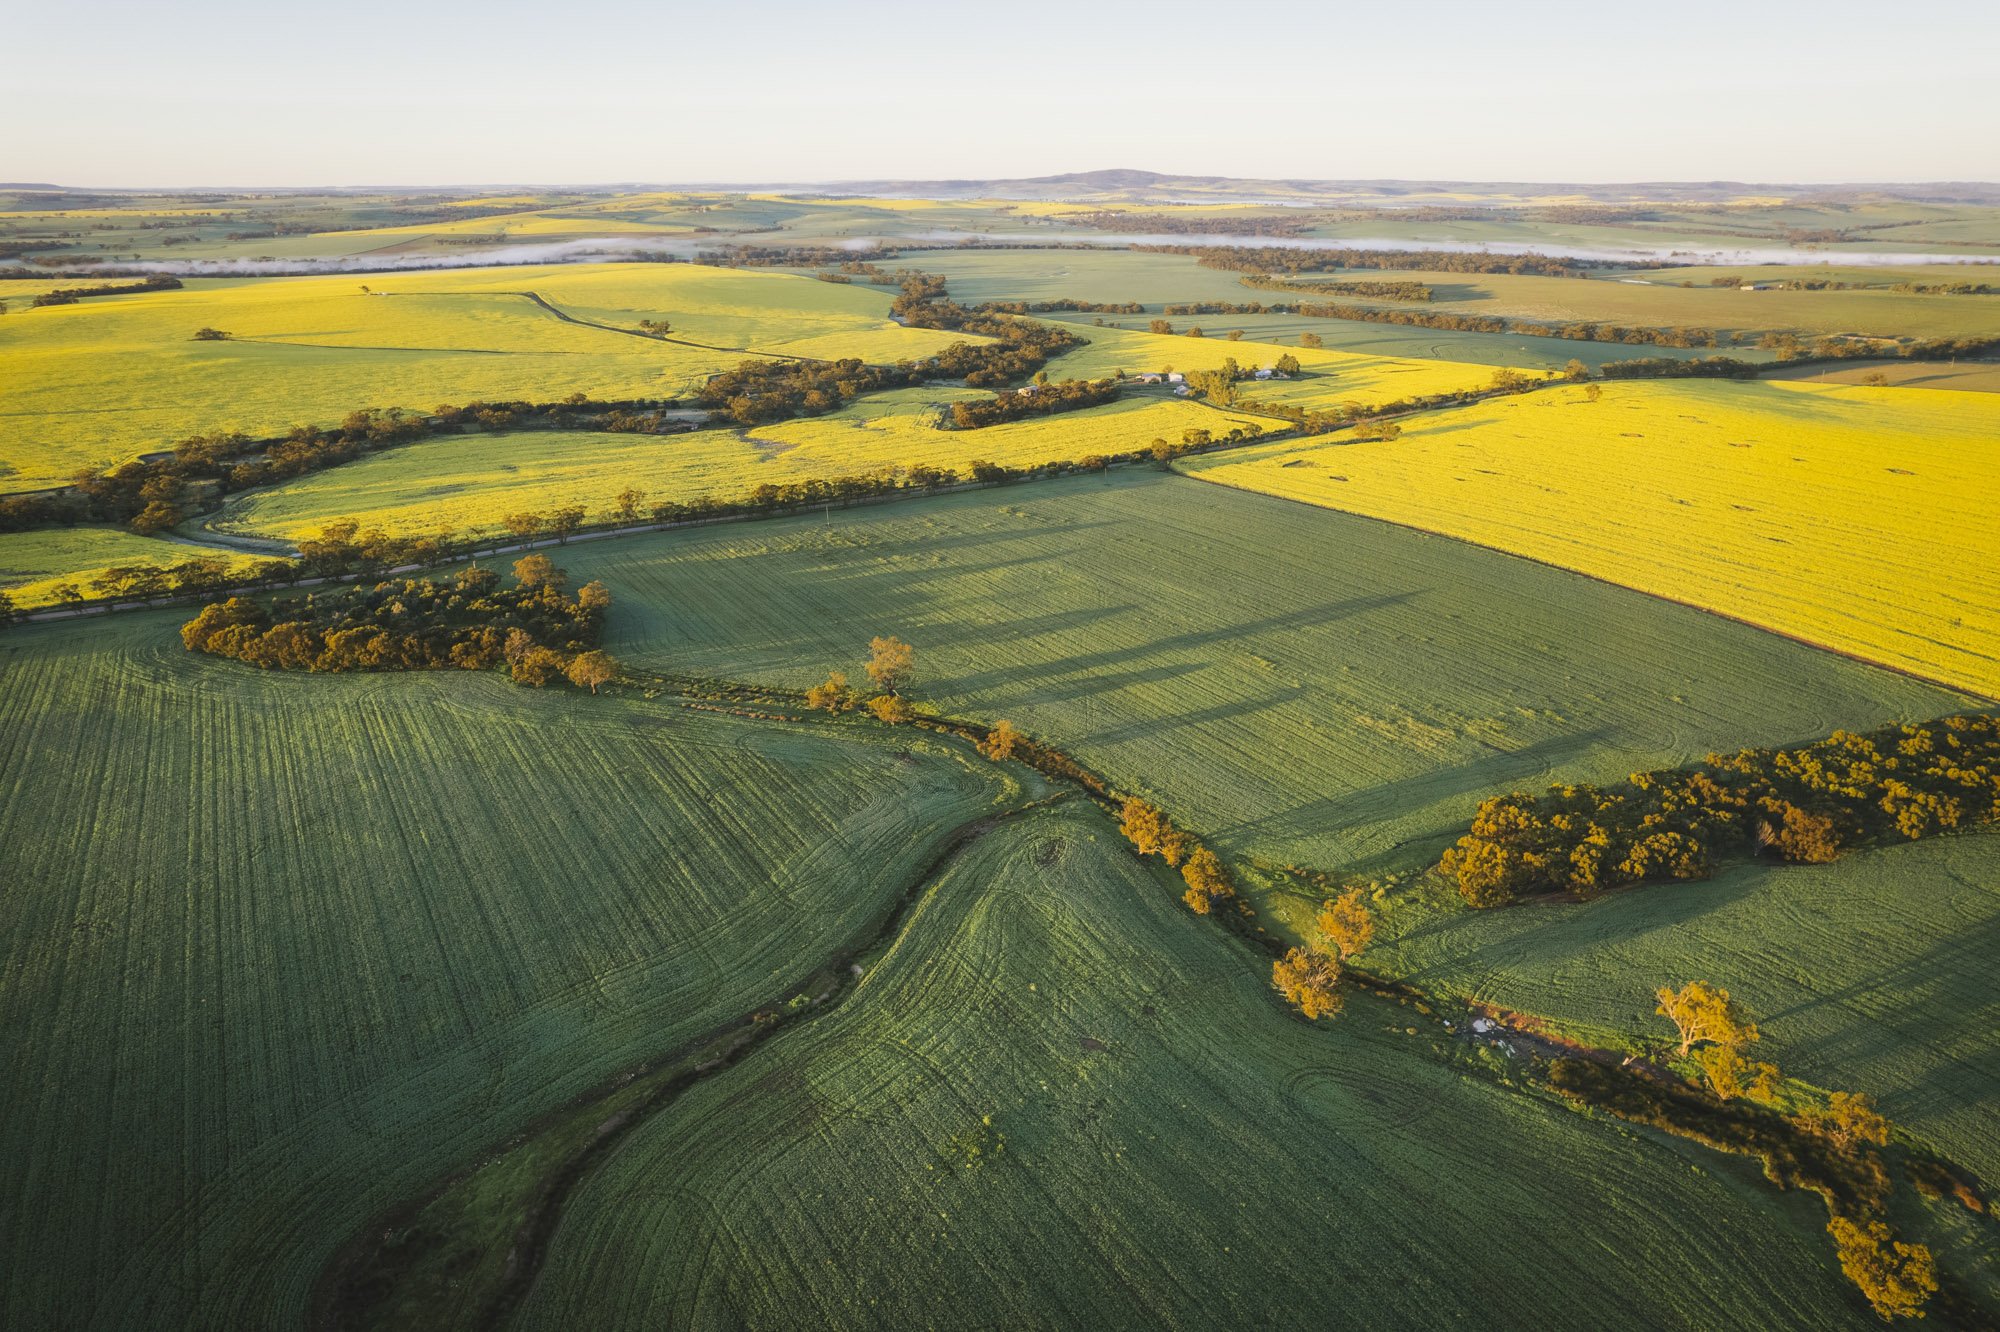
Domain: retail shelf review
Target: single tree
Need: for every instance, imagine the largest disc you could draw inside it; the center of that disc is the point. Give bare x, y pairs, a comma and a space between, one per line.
565, 521
1206, 880
1347, 923
1593, 392
891, 708
210, 335
892, 664
587, 670
629, 501
1702, 1012
1730, 1075
1000, 741
538, 570
594, 595
832, 695
1897, 1278
538, 666
1576, 370
1849, 1120
475, 581
1147, 828
522, 525
1309, 980
1311, 340
155, 518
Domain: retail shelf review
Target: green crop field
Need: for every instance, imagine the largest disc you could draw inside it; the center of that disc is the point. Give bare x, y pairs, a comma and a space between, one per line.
1174, 1152
1657, 298
280, 951
472, 482
91, 384
34, 564
1328, 378
1297, 685
1876, 972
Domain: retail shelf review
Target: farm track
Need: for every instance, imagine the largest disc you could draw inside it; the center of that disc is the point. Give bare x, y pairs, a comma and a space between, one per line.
568, 318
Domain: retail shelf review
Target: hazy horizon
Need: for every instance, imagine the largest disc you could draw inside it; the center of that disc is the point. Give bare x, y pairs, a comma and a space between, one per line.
223, 93
747, 183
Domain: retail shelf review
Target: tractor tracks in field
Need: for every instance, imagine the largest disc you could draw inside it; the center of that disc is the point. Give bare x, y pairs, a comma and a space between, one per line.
371, 1274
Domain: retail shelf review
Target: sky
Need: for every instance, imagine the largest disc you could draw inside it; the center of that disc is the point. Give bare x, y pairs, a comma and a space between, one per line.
452, 92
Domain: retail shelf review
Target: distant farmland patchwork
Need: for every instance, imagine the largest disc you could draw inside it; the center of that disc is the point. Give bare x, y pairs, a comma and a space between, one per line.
473, 481
94, 383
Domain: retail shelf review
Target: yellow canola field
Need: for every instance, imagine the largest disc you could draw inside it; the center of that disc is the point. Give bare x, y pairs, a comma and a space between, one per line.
1329, 378
92, 384
1860, 519
471, 482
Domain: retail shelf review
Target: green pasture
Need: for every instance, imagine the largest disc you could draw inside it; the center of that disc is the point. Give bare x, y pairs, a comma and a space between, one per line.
282, 951
1165, 1148
1297, 685
472, 482
1876, 973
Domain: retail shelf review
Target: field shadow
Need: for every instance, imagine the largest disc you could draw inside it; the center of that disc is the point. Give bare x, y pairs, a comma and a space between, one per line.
1097, 683
1480, 776
1238, 632
1220, 712
1056, 622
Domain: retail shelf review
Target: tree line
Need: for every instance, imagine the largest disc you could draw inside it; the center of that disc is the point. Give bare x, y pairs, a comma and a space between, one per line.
1677, 367
1059, 305
1267, 260
1946, 289
71, 295
1808, 804
155, 492
1461, 322
1043, 398
1380, 291
1179, 224
469, 622
1852, 346
1828, 1144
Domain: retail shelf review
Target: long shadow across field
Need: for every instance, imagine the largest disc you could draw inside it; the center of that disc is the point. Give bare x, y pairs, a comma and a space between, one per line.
1185, 642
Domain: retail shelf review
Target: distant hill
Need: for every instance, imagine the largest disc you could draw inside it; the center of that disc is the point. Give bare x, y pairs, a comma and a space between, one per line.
1129, 185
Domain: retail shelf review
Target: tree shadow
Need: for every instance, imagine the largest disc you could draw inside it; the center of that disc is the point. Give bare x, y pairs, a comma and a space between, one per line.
1507, 768
1238, 632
